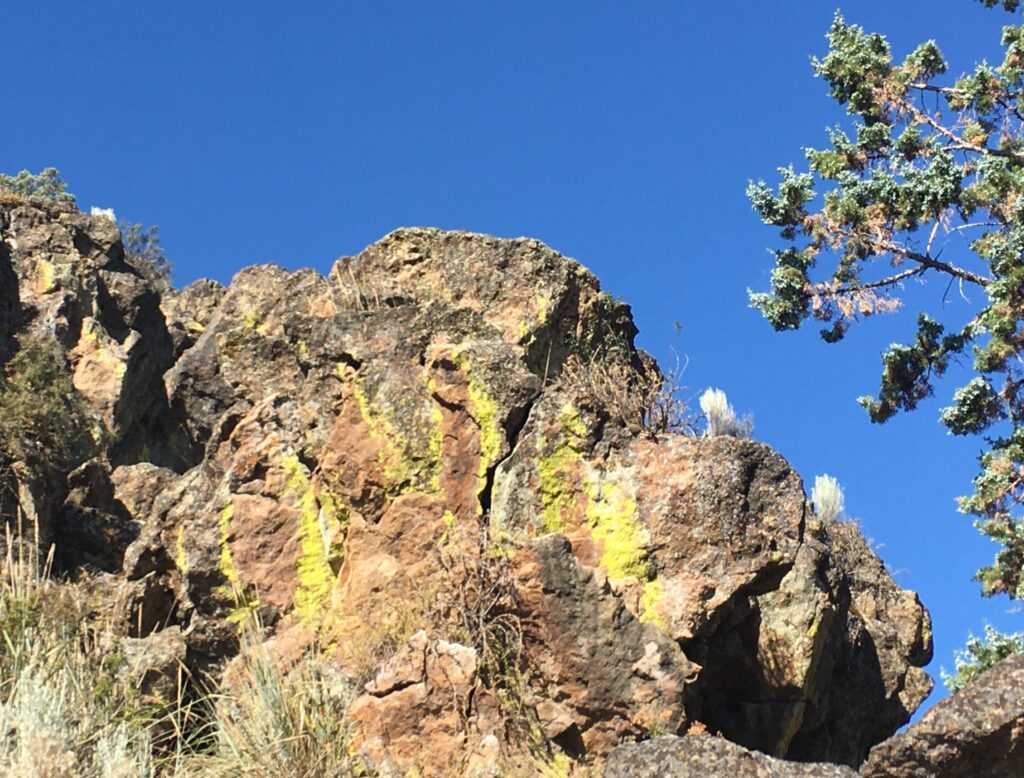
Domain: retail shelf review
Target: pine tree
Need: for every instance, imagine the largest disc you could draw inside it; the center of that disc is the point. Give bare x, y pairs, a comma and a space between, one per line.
924, 159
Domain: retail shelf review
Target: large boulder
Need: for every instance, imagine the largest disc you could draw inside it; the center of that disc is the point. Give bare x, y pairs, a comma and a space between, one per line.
978, 733
807, 648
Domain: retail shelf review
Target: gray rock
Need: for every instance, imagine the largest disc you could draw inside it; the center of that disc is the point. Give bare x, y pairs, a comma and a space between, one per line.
705, 756
976, 733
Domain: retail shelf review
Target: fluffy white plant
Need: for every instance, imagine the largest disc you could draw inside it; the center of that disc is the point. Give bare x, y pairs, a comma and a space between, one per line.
827, 496
108, 212
721, 417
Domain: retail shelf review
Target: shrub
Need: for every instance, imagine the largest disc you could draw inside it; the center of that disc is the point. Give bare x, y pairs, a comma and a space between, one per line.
62, 713
640, 398
721, 418
47, 185
827, 496
980, 654
41, 413
276, 723
143, 252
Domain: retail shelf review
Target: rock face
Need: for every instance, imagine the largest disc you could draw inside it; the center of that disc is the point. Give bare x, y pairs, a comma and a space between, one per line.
698, 756
392, 461
976, 732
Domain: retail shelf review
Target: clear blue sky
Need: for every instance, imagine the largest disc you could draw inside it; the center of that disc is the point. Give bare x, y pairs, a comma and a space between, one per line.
298, 132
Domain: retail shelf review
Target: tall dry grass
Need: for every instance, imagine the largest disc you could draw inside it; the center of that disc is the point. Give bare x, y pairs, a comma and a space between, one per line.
67, 710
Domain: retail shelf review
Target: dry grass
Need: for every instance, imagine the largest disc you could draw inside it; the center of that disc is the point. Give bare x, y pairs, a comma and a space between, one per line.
8, 197
66, 710
62, 712
646, 401
270, 722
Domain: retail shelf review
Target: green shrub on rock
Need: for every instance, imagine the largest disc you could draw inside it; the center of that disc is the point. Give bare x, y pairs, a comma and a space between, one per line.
45, 185
41, 413
980, 654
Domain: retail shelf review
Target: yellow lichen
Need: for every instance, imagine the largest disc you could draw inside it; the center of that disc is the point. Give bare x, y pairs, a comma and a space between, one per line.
410, 461
436, 437
557, 469
542, 309
180, 557
612, 516
321, 528
650, 602
245, 603
94, 334
45, 277
251, 318
559, 765
397, 470
484, 411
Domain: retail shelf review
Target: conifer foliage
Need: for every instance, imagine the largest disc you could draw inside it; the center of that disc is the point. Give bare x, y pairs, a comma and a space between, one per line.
925, 181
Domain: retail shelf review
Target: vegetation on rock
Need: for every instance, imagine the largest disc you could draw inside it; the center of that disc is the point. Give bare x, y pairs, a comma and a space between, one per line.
143, 251
827, 496
922, 162
980, 654
45, 185
721, 418
42, 416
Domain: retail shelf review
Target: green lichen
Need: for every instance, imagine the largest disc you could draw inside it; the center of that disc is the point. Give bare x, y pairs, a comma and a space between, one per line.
793, 720
557, 470
612, 516
322, 525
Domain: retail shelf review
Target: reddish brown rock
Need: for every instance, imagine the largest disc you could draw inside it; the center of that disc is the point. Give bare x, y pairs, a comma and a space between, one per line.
389, 459
428, 693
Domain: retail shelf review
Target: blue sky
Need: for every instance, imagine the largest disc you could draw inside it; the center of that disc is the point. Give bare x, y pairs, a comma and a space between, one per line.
298, 132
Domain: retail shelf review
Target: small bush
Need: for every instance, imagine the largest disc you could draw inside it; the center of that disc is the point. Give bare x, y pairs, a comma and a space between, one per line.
980, 654
42, 416
645, 400
276, 723
828, 499
721, 418
47, 185
62, 711
142, 250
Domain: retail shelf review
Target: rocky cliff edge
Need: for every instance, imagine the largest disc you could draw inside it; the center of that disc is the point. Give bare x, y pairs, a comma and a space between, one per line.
437, 465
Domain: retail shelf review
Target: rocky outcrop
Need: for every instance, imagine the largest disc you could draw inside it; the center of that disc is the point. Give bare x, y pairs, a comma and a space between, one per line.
392, 461
977, 732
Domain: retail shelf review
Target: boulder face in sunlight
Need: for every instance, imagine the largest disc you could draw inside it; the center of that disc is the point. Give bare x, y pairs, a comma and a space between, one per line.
440, 496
